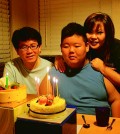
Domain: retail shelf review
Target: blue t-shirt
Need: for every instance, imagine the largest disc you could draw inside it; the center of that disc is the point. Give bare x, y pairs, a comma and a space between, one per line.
83, 88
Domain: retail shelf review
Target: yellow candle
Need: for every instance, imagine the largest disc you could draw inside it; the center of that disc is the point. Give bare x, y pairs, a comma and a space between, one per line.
48, 83
53, 85
57, 86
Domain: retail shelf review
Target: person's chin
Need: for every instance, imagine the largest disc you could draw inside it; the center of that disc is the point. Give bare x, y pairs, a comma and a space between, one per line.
30, 61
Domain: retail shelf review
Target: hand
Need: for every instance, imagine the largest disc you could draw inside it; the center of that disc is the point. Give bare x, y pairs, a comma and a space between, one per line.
97, 64
59, 63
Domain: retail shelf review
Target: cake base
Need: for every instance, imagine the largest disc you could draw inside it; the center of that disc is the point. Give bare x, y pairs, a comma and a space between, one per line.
13, 95
43, 111
46, 116
62, 123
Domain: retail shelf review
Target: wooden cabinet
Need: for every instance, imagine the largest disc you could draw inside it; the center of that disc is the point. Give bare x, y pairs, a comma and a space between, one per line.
9, 113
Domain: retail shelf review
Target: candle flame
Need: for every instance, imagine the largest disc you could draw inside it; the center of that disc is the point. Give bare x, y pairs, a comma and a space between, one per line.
54, 79
37, 80
48, 69
48, 77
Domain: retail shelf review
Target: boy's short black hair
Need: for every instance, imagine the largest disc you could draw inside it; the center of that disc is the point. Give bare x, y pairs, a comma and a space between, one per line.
71, 29
24, 34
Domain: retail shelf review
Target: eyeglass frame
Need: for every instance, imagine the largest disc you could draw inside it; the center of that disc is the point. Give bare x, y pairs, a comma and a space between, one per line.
25, 47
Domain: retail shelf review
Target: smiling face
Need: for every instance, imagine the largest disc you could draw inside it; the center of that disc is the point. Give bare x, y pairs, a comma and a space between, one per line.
29, 56
74, 51
97, 36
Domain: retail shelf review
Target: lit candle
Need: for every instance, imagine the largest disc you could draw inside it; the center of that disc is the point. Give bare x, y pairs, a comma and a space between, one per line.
53, 85
48, 69
48, 79
37, 82
6, 81
57, 86
48, 83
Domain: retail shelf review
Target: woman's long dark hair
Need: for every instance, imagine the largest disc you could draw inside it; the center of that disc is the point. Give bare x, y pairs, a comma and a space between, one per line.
109, 31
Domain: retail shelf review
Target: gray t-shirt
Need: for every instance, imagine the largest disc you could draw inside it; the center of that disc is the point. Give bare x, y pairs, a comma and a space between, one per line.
17, 72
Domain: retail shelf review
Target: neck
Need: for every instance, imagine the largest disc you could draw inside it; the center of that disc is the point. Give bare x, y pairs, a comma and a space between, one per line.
34, 65
80, 65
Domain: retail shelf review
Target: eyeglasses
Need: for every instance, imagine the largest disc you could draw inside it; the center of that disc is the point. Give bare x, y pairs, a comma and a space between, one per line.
32, 47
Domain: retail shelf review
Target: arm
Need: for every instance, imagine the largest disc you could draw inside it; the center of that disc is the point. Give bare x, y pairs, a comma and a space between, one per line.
113, 98
59, 63
108, 72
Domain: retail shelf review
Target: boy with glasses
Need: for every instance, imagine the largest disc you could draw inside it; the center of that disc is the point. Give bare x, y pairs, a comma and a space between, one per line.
27, 43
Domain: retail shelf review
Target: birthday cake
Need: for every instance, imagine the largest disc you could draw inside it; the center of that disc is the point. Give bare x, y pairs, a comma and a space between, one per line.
46, 105
14, 92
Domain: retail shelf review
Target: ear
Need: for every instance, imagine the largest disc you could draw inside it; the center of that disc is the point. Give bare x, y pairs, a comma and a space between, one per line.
40, 47
61, 47
17, 51
87, 46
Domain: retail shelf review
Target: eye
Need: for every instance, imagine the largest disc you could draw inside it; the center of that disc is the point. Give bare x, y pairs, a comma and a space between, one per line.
99, 32
77, 46
33, 47
23, 47
65, 45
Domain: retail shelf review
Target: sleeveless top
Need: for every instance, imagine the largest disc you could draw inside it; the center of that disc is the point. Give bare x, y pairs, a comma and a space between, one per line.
83, 88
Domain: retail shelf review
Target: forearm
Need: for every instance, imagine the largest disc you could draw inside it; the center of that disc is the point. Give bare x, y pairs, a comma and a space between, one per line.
115, 107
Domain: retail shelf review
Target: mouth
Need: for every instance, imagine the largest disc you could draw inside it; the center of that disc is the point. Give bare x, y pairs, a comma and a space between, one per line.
72, 57
30, 57
94, 43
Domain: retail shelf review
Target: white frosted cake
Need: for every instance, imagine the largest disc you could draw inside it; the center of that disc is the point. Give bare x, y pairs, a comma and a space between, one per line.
14, 92
46, 105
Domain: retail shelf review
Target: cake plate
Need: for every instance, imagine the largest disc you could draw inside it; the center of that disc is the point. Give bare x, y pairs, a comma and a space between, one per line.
61, 123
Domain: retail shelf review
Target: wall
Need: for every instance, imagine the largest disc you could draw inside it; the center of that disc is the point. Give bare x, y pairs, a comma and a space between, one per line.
25, 13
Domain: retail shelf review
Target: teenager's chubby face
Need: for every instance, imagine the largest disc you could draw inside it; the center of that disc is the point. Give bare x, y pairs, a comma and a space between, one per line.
29, 51
96, 37
74, 51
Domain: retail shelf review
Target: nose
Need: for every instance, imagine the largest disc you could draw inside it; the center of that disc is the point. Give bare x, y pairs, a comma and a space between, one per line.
93, 35
71, 49
29, 49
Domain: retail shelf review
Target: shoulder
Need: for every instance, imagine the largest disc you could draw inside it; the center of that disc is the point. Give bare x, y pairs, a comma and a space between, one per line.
89, 72
117, 41
115, 44
54, 72
44, 61
14, 62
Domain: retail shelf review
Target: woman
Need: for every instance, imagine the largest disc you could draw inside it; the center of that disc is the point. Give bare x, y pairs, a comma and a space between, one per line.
104, 48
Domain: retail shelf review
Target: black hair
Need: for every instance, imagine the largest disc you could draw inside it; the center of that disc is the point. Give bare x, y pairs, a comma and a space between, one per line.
109, 30
24, 34
71, 29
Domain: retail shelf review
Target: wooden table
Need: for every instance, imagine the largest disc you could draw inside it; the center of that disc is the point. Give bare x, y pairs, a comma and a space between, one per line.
94, 129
